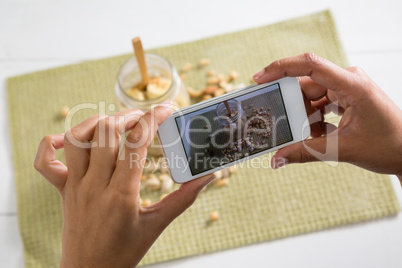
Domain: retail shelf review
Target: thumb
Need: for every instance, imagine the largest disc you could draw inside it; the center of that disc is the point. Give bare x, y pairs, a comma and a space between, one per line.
324, 148
177, 202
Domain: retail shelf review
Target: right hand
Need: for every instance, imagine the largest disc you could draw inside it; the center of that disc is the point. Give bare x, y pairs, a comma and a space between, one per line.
370, 131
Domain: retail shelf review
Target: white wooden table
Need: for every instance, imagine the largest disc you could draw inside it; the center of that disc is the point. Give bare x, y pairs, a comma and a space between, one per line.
40, 34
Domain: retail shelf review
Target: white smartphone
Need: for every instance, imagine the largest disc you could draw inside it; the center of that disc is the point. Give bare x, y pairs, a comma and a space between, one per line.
235, 127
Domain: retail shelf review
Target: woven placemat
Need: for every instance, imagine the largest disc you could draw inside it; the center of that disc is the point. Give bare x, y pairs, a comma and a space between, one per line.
258, 205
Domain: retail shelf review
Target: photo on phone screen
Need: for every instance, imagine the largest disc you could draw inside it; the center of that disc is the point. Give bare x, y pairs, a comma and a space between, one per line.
234, 129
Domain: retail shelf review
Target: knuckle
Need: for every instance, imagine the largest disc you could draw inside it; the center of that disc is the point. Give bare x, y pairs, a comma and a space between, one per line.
38, 165
313, 58
356, 70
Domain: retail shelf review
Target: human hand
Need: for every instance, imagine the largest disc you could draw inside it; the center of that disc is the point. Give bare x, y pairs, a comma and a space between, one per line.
369, 134
104, 224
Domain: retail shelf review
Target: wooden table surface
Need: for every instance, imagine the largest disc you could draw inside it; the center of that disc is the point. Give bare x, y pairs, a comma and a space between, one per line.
41, 34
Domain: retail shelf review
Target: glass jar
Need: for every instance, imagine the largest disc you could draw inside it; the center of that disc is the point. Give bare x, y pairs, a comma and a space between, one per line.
158, 67
129, 76
233, 122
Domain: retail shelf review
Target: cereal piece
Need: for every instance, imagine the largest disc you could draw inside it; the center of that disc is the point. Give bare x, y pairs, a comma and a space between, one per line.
186, 67
222, 182
152, 183
213, 81
233, 75
211, 73
205, 62
64, 111
214, 215
219, 92
210, 90
194, 93
146, 202
183, 76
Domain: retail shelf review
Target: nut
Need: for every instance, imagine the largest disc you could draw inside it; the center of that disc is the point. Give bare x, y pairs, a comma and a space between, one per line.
222, 182
218, 174
64, 111
186, 67
206, 97
194, 93
233, 75
222, 78
152, 183
183, 76
211, 73
205, 62
225, 173
213, 81
214, 215
219, 92
232, 169
210, 90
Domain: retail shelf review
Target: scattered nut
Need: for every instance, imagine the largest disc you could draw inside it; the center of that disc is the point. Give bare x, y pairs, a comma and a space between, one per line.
222, 182
64, 111
186, 67
194, 93
205, 62
233, 75
152, 182
225, 173
219, 92
222, 78
211, 73
210, 90
183, 76
206, 97
213, 81
218, 174
214, 215
232, 169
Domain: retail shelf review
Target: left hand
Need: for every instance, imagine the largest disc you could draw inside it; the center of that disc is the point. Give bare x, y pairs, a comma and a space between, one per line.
104, 224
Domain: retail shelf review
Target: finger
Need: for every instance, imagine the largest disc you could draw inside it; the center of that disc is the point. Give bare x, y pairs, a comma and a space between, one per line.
174, 204
106, 143
311, 90
321, 71
45, 162
132, 157
77, 144
324, 148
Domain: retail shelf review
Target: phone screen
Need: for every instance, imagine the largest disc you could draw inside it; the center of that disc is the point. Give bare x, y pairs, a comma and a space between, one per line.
234, 129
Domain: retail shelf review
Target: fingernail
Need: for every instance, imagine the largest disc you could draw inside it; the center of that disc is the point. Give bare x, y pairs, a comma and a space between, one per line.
259, 74
167, 104
280, 162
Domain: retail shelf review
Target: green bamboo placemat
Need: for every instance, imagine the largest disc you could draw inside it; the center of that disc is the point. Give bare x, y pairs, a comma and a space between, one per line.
258, 205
